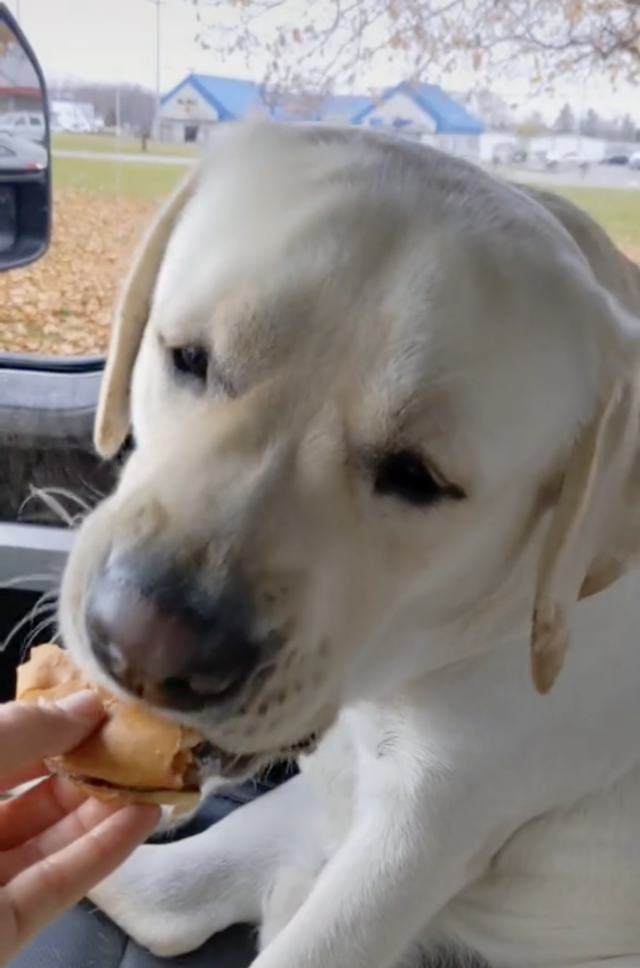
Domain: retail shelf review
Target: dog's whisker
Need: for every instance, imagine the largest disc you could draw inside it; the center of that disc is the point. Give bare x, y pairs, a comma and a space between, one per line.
97, 494
47, 601
62, 492
50, 498
25, 622
24, 580
31, 639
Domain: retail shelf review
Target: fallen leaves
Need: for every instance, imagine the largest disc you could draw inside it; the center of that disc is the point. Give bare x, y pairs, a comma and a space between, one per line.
62, 304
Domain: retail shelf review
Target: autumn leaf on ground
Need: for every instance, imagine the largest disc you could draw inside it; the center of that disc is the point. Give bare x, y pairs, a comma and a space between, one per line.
63, 303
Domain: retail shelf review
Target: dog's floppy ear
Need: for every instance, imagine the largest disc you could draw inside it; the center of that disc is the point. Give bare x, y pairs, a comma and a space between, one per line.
132, 311
583, 553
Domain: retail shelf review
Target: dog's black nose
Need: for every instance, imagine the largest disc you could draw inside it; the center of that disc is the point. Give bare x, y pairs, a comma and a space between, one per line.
166, 641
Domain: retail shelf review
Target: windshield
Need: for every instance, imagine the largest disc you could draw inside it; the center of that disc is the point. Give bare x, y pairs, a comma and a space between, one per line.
136, 88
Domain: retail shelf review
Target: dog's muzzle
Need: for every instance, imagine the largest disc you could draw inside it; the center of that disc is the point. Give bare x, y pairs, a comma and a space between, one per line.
163, 639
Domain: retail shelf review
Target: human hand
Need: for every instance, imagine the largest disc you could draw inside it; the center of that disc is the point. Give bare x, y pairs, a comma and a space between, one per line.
55, 844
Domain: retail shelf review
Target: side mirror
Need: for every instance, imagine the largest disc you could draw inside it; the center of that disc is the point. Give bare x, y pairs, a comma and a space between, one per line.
25, 149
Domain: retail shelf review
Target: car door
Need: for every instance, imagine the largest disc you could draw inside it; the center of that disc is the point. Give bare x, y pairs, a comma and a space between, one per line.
49, 471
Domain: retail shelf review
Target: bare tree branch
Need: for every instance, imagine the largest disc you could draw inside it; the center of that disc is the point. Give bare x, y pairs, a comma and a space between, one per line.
317, 46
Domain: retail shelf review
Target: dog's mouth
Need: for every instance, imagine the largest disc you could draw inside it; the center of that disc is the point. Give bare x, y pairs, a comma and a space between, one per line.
211, 760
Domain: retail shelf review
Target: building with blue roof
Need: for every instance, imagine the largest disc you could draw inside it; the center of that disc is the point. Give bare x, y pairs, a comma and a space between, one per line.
426, 113
423, 112
193, 107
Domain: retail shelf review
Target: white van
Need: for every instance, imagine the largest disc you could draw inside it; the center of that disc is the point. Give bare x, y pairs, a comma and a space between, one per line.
27, 124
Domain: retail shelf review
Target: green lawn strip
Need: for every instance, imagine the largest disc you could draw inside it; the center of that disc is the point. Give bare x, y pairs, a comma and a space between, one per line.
108, 144
130, 179
618, 210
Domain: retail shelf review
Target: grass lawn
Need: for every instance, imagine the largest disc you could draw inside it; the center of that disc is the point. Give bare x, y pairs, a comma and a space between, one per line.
105, 144
618, 210
63, 303
108, 178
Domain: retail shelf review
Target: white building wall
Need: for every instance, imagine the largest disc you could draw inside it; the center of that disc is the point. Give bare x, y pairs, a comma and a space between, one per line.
591, 149
400, 106
496, 141
185, 112
461, 145
69, 114
403, 107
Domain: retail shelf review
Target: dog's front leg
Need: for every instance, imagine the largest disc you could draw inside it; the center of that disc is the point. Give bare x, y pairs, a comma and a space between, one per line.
172, 897
410, 850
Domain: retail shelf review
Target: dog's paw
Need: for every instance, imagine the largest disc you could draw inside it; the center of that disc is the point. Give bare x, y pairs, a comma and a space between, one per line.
157, 907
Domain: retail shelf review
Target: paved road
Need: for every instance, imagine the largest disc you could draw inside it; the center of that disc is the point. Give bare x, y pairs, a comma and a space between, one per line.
598, 176
127, 158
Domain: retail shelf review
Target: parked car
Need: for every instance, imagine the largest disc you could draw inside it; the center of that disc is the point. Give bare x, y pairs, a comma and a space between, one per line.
566, 162
504, 153
21, 154
535, 159
27, 124
617, 158
634, 161
77, 126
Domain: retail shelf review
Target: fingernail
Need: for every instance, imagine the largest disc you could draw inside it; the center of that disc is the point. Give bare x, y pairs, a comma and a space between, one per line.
81, 705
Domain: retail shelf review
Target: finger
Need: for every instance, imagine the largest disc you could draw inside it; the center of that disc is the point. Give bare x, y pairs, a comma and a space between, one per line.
31, 732
68, 827
40, 807
39, 894
24, 776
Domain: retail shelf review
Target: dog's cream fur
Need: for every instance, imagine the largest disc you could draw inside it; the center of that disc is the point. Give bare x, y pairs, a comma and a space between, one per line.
362, 295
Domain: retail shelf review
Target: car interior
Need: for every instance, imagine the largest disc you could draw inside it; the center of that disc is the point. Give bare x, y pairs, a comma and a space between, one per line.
92, 199
50, 474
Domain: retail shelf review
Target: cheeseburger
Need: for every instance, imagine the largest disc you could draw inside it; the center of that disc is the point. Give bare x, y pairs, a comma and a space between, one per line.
135, 756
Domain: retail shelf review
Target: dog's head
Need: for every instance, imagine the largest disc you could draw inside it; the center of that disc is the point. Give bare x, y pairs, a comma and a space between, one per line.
375, 396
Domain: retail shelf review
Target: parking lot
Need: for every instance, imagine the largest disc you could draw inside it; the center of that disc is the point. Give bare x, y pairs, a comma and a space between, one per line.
597, 176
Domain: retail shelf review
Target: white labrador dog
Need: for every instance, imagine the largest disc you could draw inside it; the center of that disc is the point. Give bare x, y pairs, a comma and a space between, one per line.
387, 416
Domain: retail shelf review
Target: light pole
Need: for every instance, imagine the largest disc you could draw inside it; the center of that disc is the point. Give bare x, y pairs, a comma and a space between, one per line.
158, 4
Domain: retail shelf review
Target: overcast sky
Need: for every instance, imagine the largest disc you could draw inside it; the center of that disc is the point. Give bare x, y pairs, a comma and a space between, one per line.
115, 40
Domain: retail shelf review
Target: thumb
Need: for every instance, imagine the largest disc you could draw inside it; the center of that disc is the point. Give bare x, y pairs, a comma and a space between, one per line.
30, 732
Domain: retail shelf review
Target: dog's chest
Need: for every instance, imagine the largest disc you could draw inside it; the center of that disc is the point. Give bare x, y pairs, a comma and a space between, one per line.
339, 768
331, 773
564, 889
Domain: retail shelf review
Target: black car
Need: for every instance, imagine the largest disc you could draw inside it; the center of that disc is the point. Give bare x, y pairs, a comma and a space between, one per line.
619, 158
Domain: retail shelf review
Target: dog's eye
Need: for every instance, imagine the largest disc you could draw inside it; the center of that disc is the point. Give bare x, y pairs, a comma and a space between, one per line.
404, 475
192, 361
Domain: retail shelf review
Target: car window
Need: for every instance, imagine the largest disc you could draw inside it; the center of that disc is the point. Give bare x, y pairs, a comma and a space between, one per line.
138, 86
110, 169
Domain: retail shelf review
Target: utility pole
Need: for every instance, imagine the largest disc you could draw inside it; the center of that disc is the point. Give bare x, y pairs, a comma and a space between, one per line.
581, 115
158, 4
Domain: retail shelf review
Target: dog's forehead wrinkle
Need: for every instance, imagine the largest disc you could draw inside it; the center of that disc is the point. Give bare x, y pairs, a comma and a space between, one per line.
403, 244
237, 211
353, 181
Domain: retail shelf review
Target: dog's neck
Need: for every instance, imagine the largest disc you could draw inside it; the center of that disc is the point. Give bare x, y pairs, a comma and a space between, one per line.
412, 647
